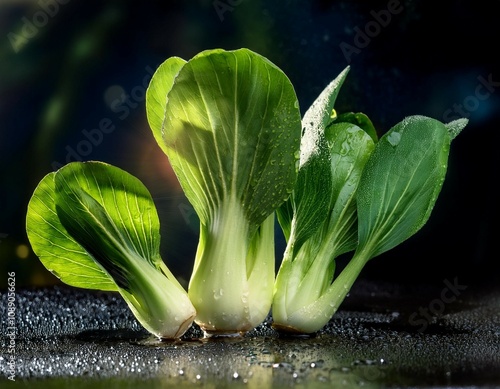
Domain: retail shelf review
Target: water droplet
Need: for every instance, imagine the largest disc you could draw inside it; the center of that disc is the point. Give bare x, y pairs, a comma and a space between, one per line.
218, 294
394, 138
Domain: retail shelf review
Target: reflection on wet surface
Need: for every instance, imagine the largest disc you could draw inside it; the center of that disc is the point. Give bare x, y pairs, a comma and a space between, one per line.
67, 336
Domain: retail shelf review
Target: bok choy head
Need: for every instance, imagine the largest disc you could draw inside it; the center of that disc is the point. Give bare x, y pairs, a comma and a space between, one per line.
95, 226
229, 123
353, 193
319, 219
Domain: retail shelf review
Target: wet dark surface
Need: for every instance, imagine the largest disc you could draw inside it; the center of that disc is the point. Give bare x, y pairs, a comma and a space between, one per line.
384, 335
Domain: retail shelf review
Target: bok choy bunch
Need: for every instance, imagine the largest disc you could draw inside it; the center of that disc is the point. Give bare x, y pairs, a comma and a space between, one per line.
353, 193
95, 226
230, 125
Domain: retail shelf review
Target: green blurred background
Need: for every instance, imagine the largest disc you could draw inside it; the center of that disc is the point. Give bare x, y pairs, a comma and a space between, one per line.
70, 66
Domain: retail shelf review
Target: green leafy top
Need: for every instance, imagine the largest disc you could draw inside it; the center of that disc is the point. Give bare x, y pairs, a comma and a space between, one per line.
306, 209
401, 181
127, 213
231, 129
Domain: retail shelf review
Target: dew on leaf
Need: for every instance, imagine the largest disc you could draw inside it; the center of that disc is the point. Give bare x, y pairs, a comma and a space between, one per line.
394, 138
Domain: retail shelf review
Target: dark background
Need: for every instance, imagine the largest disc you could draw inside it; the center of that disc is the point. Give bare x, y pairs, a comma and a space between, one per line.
85, 57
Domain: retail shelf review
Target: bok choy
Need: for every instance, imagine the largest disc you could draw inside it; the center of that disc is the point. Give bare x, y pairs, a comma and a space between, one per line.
352, 194
95, 226
230, 125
